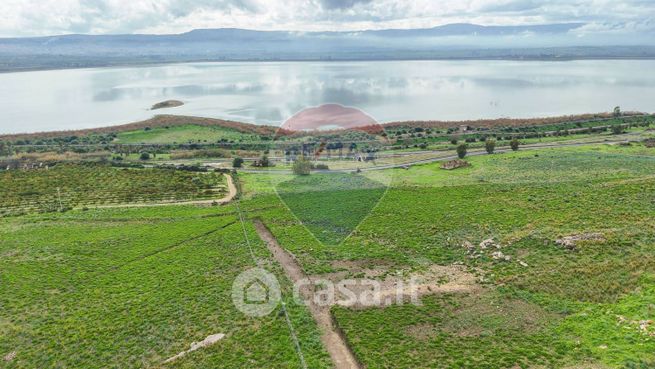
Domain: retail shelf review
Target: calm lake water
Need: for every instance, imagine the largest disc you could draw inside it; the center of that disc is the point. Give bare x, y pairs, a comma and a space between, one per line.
269, 93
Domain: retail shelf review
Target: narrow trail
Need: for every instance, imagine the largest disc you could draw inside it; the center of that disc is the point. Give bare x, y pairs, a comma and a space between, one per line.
231, 193
342, 356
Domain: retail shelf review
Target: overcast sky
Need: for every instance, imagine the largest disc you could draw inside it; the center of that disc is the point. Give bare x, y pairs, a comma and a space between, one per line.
48, 17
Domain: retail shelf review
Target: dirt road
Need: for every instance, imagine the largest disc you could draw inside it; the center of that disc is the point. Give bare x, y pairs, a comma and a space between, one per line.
342, 356
444, 155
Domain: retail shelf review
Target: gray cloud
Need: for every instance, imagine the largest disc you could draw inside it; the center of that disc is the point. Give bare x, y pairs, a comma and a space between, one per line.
511, 6
342, 4
46, 17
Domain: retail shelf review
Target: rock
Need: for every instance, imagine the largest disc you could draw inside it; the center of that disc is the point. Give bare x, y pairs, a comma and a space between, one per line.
570, 242
10, 356
487, 243
523, 263
498, 255
210, 340
454, 164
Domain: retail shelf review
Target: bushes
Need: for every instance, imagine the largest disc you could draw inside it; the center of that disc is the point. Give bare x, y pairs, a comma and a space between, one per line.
66, 186
514, 144
461, 150
490, 146
617, 129
237, 162
302, 166
264, 162
144, 156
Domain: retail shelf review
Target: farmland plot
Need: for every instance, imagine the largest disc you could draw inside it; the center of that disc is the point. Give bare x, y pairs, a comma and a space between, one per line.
67, 186
561, 241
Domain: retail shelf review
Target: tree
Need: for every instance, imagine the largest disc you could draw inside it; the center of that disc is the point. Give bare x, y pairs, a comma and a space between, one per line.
264, 162
617, 111
5, 149
490, 146
514, 144
302, 166
144, 156
237, 162
461, 150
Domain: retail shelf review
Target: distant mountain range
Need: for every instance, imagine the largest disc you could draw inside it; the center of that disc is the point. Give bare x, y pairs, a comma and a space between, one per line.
452, 41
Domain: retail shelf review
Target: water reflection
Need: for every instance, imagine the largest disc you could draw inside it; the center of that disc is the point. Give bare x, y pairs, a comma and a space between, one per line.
268, 93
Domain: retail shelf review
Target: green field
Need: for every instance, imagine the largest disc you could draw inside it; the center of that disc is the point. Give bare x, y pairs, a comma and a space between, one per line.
132, 287
65, 186
183, 134
560, 310
124, 288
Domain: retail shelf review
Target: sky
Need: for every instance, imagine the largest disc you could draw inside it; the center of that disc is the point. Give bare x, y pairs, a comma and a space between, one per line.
53, 17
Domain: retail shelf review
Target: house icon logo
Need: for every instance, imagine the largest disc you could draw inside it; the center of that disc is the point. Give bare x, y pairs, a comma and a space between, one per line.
256, 292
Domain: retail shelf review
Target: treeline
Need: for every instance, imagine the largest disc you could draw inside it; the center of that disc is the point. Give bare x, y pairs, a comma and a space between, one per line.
506, 122
159, 121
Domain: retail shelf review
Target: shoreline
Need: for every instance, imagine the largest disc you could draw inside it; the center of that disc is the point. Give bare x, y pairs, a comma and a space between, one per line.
171, 120
325, 60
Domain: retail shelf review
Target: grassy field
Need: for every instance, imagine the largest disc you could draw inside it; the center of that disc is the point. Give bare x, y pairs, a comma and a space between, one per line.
183, 134
91, 184
126, 288
548, 306
116, 288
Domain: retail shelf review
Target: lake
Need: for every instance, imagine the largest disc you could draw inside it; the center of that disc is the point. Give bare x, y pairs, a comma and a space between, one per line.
269, 93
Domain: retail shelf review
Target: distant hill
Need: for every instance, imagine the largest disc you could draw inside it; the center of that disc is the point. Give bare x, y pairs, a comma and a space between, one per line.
452, 41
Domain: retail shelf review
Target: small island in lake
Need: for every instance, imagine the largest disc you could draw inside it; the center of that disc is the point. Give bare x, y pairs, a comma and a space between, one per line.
167, 104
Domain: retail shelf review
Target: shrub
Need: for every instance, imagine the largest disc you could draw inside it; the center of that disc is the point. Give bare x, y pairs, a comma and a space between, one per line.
453, 141
461, 150
264, 162
144, 156
490, 146
237, 162
514, 144
617, 129
321, 167
302, 166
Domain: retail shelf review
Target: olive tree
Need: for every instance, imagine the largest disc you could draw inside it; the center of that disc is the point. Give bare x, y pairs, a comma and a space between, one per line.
302, 166
514, 144
461, 150
490, 146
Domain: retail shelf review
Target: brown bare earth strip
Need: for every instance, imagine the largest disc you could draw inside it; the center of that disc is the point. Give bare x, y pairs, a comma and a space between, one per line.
342, 356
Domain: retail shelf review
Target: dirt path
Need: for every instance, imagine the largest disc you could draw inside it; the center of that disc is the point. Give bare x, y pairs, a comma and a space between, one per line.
339, 351
231, 193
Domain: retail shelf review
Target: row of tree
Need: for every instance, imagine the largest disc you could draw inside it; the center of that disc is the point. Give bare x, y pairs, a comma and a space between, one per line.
489, 146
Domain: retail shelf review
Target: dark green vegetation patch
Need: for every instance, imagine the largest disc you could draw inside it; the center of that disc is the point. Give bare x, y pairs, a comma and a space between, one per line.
331, 206
66, 186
